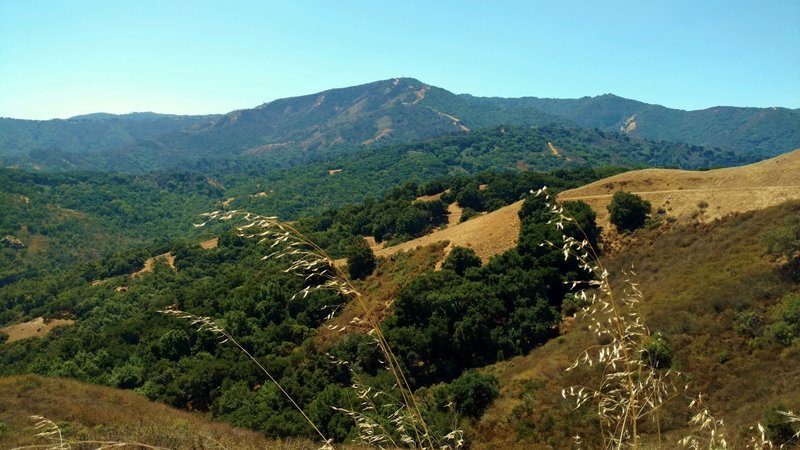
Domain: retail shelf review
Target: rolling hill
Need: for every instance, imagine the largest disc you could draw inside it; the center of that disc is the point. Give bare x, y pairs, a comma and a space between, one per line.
752, 131
701, 284
714, 277
74, 143
678, 192
700, 195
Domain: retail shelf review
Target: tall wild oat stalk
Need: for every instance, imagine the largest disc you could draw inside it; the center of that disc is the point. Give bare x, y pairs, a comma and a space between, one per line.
631, 388
307, 259
51, 432
709, 432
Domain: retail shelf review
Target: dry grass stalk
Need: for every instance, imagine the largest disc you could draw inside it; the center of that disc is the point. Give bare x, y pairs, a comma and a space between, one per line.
631, 390
709, 432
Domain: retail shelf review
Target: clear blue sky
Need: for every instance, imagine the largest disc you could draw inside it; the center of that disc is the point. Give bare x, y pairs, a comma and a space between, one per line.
63, 58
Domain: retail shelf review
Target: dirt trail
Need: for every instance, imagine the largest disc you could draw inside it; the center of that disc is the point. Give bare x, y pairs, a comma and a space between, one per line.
553, 149
453, 214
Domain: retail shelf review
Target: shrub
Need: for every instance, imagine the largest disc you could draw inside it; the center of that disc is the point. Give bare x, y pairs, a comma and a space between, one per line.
472, 392
783, 243
585, 223
656, 352
467, 213
628, 212
779, 429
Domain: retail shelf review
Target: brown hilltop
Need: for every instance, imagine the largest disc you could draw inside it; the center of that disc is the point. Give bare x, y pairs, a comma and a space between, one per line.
683, 194
700, 195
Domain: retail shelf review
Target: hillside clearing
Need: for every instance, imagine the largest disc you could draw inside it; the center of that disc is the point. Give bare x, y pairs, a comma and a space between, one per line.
488, 234
209, 244
32, 328
150, 263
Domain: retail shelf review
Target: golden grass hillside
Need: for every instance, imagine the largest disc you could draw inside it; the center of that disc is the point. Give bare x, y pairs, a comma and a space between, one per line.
687, 196
488, 234
700, 195
702, 285
90, 412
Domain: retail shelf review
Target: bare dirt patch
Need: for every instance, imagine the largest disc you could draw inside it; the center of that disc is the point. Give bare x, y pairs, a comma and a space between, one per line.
209, 244
453, 214
35, 327
420, 94
630, 125
430, 198
150, 263
381, 134
553, 150
373, 244
214, 182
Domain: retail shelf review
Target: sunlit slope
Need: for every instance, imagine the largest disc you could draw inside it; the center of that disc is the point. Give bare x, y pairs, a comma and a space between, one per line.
700, 195
488, 234
713, 294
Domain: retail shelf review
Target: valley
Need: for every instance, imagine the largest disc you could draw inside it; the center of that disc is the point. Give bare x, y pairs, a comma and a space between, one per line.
430, 270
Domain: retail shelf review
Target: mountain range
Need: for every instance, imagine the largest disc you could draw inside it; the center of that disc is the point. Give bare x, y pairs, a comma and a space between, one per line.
400, 110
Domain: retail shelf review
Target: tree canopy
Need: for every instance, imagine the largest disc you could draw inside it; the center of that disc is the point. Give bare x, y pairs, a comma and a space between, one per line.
628, 212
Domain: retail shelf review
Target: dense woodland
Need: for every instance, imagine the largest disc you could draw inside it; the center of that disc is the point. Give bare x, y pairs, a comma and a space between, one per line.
120, 340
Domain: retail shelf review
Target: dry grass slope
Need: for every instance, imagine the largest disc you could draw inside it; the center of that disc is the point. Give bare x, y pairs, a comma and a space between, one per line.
488, 234
89, 412
700, 195
696, 279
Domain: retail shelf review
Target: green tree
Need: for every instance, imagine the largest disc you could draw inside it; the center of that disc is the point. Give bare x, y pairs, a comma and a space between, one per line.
360, 261
460, 259
628, 211
783, 243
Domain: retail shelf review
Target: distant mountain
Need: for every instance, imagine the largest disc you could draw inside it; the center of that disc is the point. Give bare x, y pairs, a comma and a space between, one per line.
400, 110
759, 132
